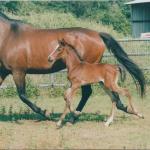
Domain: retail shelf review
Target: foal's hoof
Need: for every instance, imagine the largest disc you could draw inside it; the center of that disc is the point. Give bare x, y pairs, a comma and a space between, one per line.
59, 124
107, 124
140, 116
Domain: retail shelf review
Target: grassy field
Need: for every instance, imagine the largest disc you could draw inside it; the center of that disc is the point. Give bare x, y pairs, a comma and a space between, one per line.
20, 128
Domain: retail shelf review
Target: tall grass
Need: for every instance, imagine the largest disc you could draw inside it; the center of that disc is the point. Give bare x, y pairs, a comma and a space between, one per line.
55, 20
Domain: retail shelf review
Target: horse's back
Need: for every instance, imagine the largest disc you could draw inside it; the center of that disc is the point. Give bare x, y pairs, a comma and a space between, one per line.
28, 48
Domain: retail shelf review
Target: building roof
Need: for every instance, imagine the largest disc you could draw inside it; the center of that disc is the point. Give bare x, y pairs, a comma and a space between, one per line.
138, 1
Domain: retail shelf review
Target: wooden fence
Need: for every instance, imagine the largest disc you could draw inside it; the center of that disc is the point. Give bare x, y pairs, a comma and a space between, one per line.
137, 49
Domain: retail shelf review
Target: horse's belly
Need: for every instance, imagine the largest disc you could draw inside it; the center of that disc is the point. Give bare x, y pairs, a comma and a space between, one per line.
57, 66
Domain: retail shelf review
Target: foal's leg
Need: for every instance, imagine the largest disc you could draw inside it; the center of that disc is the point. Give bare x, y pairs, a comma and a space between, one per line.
67, 93
19, 79
111, 118
126, 93
67, 97
114, 97
86, 93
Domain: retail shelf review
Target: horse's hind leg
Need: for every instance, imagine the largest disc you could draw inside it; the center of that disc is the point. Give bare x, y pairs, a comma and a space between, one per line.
114, 97
19, 79
125, 92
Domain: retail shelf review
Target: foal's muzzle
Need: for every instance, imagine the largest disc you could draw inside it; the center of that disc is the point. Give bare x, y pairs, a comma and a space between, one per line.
50, 59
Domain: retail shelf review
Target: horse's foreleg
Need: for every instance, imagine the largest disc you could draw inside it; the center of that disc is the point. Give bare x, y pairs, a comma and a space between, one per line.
86, 92
19, 79
3, 74
111, 118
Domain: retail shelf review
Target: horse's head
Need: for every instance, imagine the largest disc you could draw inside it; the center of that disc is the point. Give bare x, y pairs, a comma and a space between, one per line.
58, 52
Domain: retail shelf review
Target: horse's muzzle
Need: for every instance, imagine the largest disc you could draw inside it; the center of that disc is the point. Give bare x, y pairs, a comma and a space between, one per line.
50, 59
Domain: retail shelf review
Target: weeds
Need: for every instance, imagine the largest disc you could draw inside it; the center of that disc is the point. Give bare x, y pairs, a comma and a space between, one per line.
31, 90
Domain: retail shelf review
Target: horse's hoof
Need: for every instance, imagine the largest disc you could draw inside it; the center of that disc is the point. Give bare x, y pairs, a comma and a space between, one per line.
73, 119
59, 124
77, 113
107, 124
140, 116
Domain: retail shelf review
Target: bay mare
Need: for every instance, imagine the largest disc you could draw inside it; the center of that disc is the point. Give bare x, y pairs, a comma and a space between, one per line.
83, 73
24, 50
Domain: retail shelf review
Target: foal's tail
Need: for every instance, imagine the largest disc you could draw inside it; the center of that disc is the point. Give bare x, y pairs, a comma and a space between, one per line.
122, 72
123, 58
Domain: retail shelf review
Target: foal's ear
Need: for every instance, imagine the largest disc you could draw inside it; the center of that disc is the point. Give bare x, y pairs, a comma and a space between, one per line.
59, 42
62, 42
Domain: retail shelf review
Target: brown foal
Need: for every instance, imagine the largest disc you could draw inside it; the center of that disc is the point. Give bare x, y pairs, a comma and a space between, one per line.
82, 73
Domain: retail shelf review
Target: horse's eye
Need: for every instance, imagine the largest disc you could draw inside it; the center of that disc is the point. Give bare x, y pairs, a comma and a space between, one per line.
59, 49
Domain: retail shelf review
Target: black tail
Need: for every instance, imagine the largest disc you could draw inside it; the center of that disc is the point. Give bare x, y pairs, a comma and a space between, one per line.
123, 58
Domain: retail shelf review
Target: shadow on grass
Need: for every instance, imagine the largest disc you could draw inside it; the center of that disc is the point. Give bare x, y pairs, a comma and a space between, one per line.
54, 117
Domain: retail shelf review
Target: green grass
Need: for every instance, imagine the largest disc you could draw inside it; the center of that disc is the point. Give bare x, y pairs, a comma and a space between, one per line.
21, 128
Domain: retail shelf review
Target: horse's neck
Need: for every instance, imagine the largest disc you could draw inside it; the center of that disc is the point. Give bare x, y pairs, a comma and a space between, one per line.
72, 59
4, 30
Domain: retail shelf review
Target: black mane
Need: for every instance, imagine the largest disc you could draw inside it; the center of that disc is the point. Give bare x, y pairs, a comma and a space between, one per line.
3, 16
14, 23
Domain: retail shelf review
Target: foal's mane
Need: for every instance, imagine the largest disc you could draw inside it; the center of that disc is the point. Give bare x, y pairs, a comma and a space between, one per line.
74, 50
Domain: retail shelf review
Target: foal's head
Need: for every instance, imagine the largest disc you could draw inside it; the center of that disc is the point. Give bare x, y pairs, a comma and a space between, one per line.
59, 52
